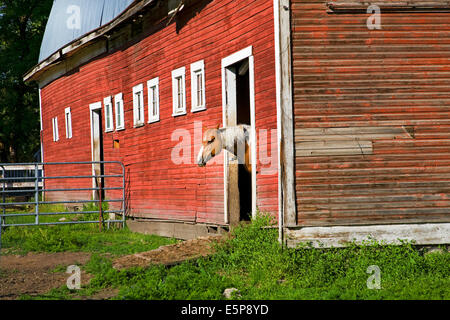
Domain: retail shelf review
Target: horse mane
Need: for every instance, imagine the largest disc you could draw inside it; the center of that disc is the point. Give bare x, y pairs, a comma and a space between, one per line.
234, 136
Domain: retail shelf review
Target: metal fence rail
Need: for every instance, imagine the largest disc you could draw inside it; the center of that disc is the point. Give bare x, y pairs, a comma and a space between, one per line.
34, 185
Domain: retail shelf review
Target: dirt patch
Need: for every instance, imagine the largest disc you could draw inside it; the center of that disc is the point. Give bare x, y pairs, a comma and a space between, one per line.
171, 254
34, 274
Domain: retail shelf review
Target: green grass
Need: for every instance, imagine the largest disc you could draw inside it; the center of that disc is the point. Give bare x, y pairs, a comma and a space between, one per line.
77, 237
44, 209
253, 262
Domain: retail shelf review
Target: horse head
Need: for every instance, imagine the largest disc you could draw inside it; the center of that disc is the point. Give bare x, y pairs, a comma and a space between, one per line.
211, 145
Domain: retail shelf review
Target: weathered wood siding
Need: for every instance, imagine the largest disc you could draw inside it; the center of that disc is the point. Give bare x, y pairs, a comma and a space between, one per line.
158, 188
372, 116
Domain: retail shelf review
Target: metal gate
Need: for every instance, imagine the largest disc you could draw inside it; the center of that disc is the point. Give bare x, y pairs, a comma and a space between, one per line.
32, 186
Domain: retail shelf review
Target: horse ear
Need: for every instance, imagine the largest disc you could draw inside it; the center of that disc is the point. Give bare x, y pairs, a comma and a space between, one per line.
217, 126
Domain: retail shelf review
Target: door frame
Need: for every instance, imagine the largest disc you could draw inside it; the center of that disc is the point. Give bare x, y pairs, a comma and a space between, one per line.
246, 53
97, 108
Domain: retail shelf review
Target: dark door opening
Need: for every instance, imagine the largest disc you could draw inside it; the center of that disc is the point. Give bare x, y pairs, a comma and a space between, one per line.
243, 117
238, 104
97, 153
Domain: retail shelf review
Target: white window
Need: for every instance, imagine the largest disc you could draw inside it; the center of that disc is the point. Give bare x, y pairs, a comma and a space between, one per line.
120, 117
138, 105
55, 129
198, 86
109, 121
153, 100
179, 92
68, 123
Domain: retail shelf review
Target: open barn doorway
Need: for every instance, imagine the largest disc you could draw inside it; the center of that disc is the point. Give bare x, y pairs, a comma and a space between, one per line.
97, 150
240, 184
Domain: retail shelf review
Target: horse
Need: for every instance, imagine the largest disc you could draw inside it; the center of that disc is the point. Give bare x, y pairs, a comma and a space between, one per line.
235, 140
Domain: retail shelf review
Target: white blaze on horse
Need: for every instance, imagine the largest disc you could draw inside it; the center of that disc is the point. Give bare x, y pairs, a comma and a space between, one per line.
235, 140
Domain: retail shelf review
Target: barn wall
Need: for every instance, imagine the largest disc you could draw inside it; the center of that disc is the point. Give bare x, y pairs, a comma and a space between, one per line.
157, 187
372, 117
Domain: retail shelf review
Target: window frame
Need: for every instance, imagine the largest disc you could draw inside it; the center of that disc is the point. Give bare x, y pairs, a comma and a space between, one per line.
178, 74
55, 129
196, 68
153, 83
68, 123
138, 106
119, 110
108, 109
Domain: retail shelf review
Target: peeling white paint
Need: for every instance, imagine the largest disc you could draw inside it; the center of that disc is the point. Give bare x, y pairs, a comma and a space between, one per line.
340, 236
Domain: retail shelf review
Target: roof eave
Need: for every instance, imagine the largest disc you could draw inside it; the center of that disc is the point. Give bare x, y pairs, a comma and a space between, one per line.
69, 49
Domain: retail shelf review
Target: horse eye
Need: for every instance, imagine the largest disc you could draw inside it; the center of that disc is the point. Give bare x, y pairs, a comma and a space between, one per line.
212, 140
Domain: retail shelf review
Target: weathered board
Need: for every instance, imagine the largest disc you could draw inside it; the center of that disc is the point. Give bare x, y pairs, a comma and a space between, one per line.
340, 236
372, 115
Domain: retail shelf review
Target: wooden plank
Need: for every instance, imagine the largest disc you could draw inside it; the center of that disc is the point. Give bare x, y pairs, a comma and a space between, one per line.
285, 117
411, 5
333, 148
348, 188
21, 185
19, 167
234, 209
353, 133
368, 206
341, 236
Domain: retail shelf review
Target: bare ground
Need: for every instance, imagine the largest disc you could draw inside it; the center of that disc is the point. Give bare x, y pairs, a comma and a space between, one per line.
34, 274
171, 254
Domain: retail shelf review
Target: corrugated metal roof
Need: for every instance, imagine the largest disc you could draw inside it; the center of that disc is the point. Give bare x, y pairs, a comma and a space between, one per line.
71, 19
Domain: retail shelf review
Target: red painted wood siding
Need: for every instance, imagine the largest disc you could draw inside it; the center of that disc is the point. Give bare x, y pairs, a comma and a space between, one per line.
384, 92
157, 187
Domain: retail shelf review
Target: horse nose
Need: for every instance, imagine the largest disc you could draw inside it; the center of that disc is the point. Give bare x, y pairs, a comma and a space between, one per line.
200, 161
201, 164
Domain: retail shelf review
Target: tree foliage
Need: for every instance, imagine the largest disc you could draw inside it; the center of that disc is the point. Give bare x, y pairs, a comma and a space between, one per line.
22, 25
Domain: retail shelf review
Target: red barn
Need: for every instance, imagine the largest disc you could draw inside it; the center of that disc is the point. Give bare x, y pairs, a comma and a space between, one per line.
349, 115
144, 85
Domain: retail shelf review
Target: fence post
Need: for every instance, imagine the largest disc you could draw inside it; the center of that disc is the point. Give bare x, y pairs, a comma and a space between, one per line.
100, 197
1, 227
36, 193
123, 196
3, 207
3, 189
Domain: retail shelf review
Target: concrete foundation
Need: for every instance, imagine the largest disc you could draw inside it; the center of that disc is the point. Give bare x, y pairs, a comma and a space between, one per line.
177, 230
